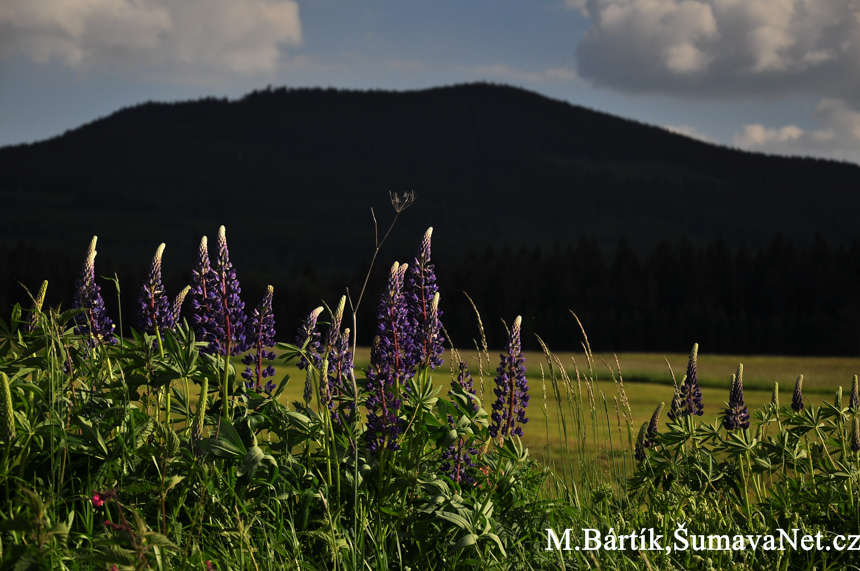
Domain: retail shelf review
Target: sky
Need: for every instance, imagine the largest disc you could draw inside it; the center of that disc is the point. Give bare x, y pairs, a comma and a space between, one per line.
775, 76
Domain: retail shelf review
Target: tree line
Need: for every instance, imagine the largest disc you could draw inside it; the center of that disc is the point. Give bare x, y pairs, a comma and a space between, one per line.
784, 298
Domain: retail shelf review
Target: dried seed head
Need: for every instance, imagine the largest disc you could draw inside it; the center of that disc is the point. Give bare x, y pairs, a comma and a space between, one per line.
401, 203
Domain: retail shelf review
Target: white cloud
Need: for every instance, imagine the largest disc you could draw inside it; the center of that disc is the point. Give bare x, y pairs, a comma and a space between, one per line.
238, 36
500, 71
837, 138
690, 131
722, 47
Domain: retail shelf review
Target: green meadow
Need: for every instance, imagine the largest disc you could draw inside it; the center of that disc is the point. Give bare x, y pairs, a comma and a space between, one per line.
646, 379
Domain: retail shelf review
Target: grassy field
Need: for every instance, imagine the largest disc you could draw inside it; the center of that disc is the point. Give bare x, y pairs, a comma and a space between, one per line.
647, 382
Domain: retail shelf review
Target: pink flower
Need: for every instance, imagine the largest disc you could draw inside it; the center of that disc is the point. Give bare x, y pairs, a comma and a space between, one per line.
98, 499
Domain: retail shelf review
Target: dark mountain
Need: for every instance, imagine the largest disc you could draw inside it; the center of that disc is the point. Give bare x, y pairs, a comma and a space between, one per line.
293, 173
766, 253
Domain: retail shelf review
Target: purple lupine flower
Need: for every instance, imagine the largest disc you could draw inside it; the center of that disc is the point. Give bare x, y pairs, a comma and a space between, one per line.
177, 304
420, 291
641, 440
309, 338
457, 460
202, 294
464, 380
261, 337
154, 310
391, 365
651, 433
93, 322
797, 397
737, 415
339, 365
331, 338
691, 393
340, 362
512, 389
226, 336
676, 408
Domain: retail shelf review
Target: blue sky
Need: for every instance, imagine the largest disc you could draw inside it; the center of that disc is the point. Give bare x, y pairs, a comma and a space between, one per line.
778, 76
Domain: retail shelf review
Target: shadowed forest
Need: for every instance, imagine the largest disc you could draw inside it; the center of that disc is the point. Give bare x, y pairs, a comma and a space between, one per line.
782, 299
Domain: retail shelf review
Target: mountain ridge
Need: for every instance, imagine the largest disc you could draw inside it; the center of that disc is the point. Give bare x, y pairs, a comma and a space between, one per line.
490, 165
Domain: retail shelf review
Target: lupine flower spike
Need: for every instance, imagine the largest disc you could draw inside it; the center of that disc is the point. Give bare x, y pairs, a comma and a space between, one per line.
854, 403
309, 338
641, 439
422, 302
7, 414
774, 397
155, 313
202, 294
261, 336
464, 380
93, 322
854, 443
797, 397
37, 307
227, 335
391, 364
512, 389
691, 394
676, 409
457, 460
177, 304
339, 361
652, 426
737, 415
340, 364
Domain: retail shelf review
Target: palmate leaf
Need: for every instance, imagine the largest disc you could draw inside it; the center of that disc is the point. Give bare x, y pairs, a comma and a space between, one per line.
92, 435
158, 540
